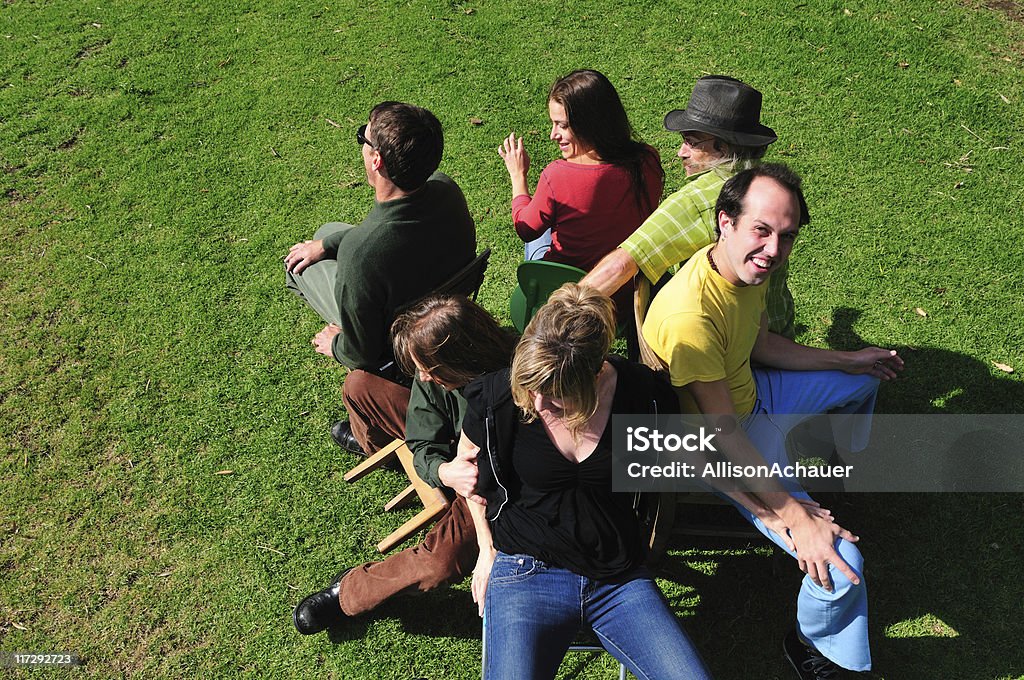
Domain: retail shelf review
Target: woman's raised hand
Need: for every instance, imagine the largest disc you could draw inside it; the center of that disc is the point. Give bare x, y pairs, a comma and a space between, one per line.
513, 152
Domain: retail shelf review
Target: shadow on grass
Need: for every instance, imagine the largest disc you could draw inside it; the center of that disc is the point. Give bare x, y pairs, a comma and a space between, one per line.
944, 599
443, 613
941, 568
935, 380
944, 595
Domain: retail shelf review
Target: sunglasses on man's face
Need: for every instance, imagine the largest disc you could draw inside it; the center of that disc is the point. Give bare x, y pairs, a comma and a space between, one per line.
361, 137
693, 142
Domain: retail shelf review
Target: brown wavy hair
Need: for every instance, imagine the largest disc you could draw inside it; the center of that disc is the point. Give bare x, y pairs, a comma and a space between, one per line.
452, 337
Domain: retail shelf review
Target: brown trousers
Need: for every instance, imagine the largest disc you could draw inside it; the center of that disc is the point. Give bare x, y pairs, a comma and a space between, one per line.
447, 555
376, 409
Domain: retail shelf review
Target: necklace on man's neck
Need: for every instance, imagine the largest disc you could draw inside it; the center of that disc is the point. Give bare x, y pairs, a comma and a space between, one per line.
711, 261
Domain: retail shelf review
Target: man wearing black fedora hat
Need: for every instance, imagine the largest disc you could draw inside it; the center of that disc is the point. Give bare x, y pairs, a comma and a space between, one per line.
722, 134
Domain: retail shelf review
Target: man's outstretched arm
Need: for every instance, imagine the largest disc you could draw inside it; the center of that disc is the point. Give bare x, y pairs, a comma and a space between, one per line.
776, 351
614, 271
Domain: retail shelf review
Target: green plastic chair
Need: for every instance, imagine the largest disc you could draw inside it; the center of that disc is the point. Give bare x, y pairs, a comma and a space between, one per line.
538, 279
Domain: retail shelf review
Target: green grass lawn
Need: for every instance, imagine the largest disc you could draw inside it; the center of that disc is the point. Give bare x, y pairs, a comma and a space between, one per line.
159, 158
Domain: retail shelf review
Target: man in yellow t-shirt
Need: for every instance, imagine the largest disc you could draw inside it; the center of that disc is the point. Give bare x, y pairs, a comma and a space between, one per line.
707, 325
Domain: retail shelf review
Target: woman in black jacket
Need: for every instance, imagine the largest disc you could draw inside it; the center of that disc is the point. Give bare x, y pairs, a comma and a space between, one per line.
558, 549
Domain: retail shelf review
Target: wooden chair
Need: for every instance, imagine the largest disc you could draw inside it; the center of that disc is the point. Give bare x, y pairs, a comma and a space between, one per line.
662, 515
434, 501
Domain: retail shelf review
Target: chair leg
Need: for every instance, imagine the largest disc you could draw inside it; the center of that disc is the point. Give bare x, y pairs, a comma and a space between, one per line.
483, 647
403, 499
373, 462
403, 532
661, 529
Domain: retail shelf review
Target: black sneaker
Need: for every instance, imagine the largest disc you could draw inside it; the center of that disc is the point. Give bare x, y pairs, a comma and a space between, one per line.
808, 662
319, 611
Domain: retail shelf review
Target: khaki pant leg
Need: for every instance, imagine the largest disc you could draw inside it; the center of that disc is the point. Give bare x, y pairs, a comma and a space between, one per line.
315, 284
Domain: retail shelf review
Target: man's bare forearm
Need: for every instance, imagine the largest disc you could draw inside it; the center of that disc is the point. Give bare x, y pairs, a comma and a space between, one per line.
613, 272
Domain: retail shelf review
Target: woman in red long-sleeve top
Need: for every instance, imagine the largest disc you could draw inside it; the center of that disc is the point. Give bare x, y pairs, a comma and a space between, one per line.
603, 188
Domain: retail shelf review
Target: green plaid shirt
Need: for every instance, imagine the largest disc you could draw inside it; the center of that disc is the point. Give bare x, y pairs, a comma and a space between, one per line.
683, 224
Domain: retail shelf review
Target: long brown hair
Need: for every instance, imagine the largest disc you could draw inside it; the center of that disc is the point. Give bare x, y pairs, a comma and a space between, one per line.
452, 337
598, 119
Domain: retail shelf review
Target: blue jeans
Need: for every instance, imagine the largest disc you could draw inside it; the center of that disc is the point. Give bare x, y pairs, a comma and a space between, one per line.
533, 611
836, 622
787, 398
538, 247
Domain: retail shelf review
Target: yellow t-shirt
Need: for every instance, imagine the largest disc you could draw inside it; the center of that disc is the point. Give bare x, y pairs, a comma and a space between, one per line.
704, 328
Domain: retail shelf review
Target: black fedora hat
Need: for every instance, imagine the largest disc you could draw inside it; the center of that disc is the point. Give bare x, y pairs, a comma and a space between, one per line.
726, 108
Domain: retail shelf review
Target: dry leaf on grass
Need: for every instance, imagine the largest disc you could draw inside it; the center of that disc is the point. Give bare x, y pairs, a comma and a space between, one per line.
920, 312
224, 472
476, 121
18, 626
1003, 367
267, 547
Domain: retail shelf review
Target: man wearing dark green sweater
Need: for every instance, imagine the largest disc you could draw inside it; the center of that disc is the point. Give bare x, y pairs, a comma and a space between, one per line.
417, 235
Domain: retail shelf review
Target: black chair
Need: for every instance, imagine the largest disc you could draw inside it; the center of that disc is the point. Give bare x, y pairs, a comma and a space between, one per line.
467, 280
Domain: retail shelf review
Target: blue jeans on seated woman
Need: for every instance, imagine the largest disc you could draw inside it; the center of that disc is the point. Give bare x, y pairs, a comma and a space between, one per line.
538, 247
533, 611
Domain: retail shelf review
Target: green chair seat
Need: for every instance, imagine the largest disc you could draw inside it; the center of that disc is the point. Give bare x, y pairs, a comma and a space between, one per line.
538, 279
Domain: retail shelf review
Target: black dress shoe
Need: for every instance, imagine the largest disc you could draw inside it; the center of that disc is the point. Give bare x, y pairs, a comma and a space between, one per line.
319, 611
340, 575
341, 433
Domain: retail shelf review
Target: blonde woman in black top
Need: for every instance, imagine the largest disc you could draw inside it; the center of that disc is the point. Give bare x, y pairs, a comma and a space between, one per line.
558, 549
